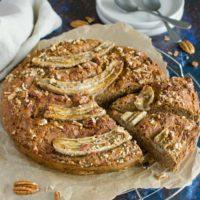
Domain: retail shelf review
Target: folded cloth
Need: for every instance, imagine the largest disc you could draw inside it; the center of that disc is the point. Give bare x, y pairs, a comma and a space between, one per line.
23, 23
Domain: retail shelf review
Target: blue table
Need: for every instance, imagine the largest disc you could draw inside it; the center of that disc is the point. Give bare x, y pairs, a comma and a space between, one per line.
77, 9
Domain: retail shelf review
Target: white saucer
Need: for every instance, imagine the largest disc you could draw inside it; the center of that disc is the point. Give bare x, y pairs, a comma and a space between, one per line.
140, 20
157, 29
160, 28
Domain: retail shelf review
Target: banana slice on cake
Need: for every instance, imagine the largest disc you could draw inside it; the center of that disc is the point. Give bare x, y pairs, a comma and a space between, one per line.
59, 112
145, 98
90, 86
72, 60
94, 144
133, 118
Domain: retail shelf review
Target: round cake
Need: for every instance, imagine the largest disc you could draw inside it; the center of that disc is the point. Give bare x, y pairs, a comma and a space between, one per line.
54, 104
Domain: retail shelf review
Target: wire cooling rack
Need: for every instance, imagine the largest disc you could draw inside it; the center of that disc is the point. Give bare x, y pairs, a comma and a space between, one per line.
175, 68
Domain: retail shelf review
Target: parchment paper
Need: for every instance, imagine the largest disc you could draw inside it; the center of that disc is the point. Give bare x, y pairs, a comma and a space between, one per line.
14, 165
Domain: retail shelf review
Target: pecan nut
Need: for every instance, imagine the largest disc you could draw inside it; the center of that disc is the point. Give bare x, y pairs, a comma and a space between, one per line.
187, 46
25, 187
90, 122
57, 196
77, 23
90, 19
195, 64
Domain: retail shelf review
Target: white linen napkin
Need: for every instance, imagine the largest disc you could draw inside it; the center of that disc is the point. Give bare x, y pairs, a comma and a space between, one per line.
22, 24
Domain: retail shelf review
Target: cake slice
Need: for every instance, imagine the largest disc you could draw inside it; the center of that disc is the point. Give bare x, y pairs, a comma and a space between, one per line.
162, 118
138, 71
168, 137
177, 95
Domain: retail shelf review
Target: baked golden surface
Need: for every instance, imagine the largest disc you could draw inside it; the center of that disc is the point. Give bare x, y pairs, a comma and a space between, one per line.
55, 104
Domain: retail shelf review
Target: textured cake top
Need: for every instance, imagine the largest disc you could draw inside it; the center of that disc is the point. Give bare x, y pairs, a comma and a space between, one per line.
178, 93
53, 98
172, 133
173, 95
69, 74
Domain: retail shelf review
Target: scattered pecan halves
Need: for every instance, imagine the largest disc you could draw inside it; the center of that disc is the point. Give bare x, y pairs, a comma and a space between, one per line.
187, 46
25, 187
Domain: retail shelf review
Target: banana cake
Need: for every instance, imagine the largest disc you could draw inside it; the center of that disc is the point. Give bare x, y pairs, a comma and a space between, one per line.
55, 107
50, 104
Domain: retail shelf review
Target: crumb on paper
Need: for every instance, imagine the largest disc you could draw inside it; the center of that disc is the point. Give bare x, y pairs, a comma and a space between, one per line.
170, 53
90, 19
176, 53
160, 176
195, 64
49, 188
166, 38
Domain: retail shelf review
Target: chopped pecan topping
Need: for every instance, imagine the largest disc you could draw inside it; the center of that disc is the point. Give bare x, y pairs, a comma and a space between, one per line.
90, 122
79, 99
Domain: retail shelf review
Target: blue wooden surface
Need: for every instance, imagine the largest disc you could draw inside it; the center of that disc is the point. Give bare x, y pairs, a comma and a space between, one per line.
77, 9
